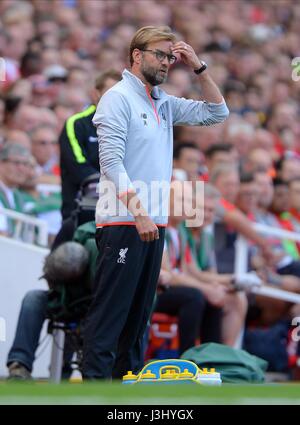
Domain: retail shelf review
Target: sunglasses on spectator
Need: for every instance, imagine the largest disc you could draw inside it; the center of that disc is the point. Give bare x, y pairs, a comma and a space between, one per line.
45, 143
161, 56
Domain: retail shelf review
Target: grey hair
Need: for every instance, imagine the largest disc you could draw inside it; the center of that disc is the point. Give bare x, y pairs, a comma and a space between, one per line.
10, 149
221, 170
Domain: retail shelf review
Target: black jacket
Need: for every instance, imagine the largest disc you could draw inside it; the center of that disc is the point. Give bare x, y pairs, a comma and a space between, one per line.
79, 156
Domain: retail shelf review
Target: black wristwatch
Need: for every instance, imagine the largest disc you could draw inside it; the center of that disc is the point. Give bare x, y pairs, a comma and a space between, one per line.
200, 70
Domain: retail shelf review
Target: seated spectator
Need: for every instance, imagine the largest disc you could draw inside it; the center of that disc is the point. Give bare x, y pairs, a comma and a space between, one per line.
247, 201
194, 294
45, 206
14, 160
197, 304
289, 213
263, 139
24, 118
266, 311
259, 159
288, 167
294, 204
240, 135
257, 210
45, 151
231, 220
18, 137
285, 263
281, 199
222, 153
201, 243
203, 137
188, 157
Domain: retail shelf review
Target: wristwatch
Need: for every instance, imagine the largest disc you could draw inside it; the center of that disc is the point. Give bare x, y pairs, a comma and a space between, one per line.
200, 70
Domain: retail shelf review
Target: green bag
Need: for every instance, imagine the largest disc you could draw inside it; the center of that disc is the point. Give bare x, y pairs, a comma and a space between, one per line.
235, 366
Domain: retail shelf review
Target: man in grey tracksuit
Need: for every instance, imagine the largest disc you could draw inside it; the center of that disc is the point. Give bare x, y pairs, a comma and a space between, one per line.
134, 121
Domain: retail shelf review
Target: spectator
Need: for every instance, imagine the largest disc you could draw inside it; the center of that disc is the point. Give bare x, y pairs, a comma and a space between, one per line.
45, 151
18, 137
222, 153
24, 118
288, 167
281, 198
259, 160
240, 135
285, 263
188, 158
231, 220
197, 304
294, 203
204, 266
14, 160
45, 206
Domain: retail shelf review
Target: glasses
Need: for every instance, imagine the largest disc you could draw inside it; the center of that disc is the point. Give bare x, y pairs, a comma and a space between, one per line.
161, 56
17, 162
45, 143
248, 194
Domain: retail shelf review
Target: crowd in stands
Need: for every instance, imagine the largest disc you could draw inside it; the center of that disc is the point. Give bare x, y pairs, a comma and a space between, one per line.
53, 52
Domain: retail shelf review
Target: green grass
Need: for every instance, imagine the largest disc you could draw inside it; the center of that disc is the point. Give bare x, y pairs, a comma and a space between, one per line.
115, 393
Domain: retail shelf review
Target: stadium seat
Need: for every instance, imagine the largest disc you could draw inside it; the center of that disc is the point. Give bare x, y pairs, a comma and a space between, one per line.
163, 337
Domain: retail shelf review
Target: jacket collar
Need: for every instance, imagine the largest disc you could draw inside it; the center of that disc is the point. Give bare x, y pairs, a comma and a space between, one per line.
141, 88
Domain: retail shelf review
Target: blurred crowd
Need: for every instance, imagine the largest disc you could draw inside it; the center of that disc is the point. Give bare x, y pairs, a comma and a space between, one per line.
54, 50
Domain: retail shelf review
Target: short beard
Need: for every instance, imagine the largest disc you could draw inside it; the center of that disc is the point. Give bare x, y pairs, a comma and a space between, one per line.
153, 76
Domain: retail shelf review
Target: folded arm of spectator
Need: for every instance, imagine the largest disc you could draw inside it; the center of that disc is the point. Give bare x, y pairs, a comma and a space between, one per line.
213, 291
207, 276
238, 220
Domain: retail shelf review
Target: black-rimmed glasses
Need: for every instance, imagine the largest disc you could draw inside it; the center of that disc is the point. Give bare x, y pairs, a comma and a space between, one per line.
160, 56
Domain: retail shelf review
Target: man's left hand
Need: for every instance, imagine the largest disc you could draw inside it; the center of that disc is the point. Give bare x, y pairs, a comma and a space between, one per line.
187, 54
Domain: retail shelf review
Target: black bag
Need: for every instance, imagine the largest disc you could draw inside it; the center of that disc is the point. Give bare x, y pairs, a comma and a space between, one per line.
270, 344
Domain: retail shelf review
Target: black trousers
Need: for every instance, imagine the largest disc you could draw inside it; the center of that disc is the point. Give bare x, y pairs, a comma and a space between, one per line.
196, 317
293, 268
124, 288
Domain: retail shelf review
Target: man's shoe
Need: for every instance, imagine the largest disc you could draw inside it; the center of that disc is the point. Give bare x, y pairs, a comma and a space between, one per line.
18, 372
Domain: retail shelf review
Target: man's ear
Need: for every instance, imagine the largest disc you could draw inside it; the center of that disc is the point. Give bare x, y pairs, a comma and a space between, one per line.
137, 56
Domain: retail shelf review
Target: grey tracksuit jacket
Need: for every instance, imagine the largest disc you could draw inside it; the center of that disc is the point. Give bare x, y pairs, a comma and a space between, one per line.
135, 134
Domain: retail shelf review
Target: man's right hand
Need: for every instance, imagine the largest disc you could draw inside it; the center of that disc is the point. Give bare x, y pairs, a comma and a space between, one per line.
147, 230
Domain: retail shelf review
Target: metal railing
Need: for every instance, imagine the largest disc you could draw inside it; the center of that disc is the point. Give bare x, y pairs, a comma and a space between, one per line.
32, 223
241, 262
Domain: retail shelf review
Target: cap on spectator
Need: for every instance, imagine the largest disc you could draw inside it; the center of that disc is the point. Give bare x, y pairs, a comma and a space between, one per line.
11, 149
56, 72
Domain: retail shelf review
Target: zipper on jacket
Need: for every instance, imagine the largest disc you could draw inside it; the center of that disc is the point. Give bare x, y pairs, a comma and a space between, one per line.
153, 106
